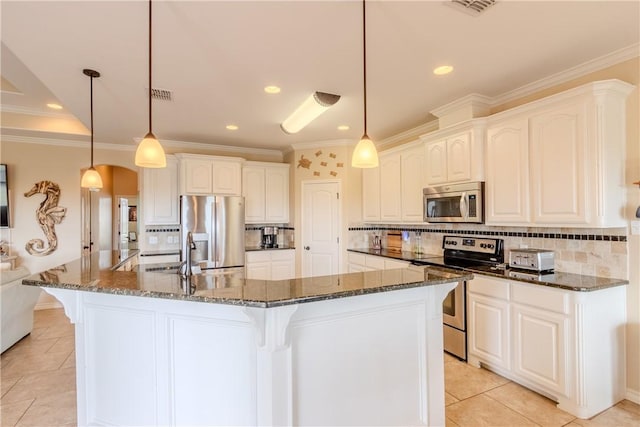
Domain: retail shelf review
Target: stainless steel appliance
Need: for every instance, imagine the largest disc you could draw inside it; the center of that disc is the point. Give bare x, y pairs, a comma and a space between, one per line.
462, 252
541, 260
454, 203
269, 237
217, 227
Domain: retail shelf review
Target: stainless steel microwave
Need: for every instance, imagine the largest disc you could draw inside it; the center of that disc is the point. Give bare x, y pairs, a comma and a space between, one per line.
454, 203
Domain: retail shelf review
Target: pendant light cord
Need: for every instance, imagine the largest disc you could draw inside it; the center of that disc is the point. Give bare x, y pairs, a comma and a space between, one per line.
150, 66
364, 61
91, 98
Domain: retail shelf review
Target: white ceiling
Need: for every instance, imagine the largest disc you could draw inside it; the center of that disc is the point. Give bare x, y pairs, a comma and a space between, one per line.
216, 57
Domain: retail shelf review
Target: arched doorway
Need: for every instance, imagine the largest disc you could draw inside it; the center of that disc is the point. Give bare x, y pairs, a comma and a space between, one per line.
109, 216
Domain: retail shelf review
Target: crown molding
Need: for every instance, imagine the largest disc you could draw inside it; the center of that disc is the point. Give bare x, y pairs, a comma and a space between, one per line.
473, 100
413, 133
321, 144
181, 145
613, 58
64, 142
15, 109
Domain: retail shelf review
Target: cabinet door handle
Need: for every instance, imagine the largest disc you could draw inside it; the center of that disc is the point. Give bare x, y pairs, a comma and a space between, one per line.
306, 248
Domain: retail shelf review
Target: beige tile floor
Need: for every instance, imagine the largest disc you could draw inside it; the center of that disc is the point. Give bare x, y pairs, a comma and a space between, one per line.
38, 388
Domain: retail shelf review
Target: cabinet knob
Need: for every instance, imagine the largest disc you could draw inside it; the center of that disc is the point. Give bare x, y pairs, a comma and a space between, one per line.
306, 248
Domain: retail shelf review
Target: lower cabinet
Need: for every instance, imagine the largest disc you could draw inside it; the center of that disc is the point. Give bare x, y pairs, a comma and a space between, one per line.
270, 264
362, 262
567, 345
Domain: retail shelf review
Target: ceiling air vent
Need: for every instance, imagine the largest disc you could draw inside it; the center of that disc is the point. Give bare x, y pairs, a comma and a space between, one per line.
472, 7
161, 94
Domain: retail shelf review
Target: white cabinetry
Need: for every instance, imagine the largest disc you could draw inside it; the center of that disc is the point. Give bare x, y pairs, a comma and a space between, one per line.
488, 314
393, 192
390, 195
362, 262
551, 340
565, 153
210, 174
270, 264
455, 154
160, 194
507, 188
265, 187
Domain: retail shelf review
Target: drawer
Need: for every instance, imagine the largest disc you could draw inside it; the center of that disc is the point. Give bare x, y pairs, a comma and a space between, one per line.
158, 259
390, 264
495, 288
355, 258
375, 262
540, 296
258, 256
282, 255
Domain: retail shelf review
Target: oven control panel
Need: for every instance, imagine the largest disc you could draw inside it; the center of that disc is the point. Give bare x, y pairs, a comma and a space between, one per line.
471, 244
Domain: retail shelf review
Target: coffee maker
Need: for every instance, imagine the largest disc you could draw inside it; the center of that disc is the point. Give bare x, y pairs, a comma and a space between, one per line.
269, 237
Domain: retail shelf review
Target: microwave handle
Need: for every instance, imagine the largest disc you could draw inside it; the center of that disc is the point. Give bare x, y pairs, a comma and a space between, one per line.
464, 208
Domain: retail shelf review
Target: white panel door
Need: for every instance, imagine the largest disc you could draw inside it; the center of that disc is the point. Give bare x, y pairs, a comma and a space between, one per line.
390, 186
436, 167
459, 157
197, 176
320, 228
277, 194
412, 183
507, 175
160, 194
488, 338
558, 159
226, 178
254, 194
371, 194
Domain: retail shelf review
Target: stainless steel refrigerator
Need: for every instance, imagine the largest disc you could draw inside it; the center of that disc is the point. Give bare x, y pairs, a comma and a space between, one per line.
217, 226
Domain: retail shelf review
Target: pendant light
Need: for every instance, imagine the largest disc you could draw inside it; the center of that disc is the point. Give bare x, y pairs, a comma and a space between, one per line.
91, 178
150, 153
365, 154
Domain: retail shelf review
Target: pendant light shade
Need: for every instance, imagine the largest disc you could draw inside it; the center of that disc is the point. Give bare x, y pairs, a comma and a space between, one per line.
150, 153
365, 154
91, 178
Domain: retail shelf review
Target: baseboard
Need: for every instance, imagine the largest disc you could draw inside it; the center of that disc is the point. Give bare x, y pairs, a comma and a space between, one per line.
47, 305
633, 396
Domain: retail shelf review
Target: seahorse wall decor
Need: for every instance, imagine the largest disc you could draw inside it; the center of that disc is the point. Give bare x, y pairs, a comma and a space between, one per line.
48, 215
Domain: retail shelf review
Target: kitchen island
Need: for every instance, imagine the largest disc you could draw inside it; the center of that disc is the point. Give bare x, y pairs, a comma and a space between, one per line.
348, 349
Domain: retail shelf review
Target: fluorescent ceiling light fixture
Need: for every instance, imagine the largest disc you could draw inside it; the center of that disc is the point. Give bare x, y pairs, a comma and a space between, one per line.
316, 104
54, 106
343, 127
272, 89
442, 70
232, 127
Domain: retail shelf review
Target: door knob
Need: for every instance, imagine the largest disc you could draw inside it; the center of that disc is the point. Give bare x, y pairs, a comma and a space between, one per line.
306, 248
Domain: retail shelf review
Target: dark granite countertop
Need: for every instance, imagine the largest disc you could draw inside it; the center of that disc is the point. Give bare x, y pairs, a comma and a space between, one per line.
94, 273
557, 279
258, 248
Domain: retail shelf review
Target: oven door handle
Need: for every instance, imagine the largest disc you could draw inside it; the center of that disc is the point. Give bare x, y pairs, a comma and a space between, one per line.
464, 207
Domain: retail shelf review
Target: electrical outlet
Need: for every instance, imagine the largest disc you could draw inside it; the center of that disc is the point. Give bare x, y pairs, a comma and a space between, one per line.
153, 240
635, 227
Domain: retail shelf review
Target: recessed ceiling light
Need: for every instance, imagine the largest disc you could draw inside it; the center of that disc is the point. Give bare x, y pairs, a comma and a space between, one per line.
442, 70
272, 89
343, 127
232, 127
54, 106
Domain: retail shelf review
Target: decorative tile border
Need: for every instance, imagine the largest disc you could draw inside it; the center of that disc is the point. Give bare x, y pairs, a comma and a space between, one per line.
260, 227
567, 236
162, 230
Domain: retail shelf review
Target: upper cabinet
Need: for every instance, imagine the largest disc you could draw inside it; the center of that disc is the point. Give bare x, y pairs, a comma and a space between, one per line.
200, 174
455, 154
160, 194
265, 187
559, 161
393, 191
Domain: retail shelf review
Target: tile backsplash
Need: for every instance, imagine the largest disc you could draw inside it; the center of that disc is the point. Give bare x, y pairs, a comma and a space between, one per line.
595, 252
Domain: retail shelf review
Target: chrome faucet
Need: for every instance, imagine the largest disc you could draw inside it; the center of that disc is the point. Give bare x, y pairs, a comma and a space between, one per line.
185, 268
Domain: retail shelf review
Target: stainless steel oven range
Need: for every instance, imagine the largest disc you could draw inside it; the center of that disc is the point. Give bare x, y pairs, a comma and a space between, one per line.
460, 252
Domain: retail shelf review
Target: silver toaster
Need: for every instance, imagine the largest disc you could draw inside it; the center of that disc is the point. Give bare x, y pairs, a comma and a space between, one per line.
532, 259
